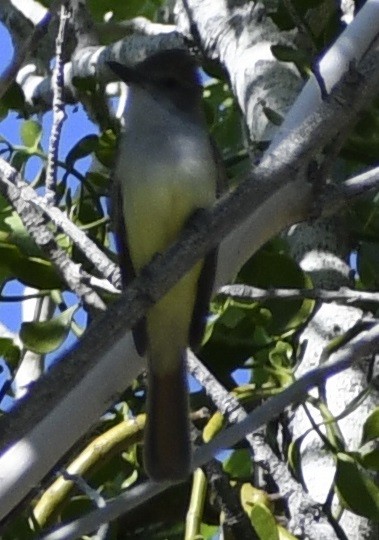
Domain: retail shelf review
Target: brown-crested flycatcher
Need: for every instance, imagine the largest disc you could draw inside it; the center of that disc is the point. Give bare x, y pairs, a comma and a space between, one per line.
166, 169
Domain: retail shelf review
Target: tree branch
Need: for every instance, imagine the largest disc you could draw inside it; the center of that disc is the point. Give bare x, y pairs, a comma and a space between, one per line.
344, 294
58, 109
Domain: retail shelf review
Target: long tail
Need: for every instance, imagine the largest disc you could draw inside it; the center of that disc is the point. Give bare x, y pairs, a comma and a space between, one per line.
167, 438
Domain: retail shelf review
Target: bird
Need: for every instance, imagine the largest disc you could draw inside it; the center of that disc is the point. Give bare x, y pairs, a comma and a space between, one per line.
167, 167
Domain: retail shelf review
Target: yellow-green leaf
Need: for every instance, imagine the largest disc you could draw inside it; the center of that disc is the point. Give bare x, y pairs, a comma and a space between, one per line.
238, 464
264, 522
371, 427
45, 337
356, 489
214, 426
31, 133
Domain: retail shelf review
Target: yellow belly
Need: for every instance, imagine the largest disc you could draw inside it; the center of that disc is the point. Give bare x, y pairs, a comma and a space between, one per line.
155, 214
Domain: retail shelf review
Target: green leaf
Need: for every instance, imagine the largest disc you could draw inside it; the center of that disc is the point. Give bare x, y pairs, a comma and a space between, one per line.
9, 351
99, 182
223, 117
38, 273
5, 208
264, 522
19, 159
370, 459
269, 268
294, 459
31, 133
371, 427
368, 264
261, 338
214, 425
3, 111
232, 317
238, 464
251, 496
13, 98
20, 237
124, 10
106, 148
284, 534
364, 219
81, 149
280, 355
19, 527
7, 254
363, 144
32, 271
356, 489
45, 337
208, 532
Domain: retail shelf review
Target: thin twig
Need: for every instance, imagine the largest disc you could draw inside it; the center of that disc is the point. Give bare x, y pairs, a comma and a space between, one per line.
23, 298
58, 108
344, 294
